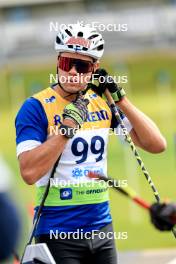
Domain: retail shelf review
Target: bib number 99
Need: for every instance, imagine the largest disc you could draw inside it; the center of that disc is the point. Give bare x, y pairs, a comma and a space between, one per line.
97, 150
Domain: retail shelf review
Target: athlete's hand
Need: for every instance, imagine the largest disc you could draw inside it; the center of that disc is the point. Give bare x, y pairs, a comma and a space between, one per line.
77, 110
107, 82
163, 216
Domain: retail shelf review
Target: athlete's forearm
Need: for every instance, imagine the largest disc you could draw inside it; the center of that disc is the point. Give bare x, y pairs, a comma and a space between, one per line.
147, 134
35, 163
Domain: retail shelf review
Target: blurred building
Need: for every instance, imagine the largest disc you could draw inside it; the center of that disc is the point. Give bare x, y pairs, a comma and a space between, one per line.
28, 28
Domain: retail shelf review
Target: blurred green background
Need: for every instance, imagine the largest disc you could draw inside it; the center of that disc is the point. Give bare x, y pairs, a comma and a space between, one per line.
152, 88
145, 53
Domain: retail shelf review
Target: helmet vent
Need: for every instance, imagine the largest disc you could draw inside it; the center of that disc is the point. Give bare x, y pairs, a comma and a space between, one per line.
100, 47
84, 48
93, 36
68, 32
70, 46
58, 40
80, 34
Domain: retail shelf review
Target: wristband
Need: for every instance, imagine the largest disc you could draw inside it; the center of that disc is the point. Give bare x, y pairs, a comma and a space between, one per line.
118, 95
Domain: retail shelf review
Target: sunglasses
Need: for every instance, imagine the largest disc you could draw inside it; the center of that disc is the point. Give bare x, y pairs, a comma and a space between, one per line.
82, 66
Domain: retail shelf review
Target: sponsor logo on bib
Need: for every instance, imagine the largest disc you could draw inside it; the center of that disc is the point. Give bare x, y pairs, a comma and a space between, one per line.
65, 193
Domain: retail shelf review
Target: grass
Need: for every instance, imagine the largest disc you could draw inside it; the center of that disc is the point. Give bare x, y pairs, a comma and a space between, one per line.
156, 99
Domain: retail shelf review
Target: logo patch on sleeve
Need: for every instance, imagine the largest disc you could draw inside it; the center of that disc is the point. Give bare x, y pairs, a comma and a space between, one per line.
52, 99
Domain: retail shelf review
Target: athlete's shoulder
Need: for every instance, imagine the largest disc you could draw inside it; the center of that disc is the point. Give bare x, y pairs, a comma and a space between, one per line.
31, 113
35, 102
31, 122
44, 95
30, 106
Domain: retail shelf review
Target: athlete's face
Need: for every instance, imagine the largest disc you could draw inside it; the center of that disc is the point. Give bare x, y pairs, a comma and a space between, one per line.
75, 70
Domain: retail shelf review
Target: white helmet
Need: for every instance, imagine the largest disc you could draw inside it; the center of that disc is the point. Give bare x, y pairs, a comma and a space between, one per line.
80, 39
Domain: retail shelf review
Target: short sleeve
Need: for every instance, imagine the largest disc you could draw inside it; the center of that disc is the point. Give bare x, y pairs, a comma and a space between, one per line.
31, 125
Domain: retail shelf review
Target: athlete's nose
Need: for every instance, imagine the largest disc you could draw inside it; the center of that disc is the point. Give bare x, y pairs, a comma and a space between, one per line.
73, 71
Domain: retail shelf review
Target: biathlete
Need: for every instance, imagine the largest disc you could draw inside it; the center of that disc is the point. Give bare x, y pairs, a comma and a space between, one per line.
83, 122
